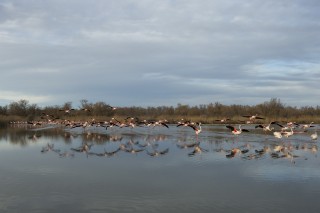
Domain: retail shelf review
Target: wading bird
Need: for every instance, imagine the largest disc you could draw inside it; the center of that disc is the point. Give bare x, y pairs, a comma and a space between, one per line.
288, 133
314, 136
85, 109
266, 127
182, 122
290, 125
252, 117
236, 131
223, 120
111, 107
158, 123
306, 126
196, 127
67, 111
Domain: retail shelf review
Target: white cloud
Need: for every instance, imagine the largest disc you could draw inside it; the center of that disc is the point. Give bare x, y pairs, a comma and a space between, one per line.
11, 96
109, 50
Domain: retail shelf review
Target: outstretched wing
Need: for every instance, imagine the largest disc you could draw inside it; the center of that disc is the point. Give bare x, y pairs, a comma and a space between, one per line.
164, 124
193, 127
230, 127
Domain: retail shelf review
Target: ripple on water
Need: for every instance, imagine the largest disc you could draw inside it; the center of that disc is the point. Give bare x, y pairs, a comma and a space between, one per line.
281, 171
40, 170
174, 182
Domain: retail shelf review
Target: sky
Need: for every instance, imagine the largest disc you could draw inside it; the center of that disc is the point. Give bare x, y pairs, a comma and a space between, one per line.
160, 53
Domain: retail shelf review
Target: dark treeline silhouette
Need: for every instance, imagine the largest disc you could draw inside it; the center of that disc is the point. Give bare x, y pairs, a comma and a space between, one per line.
273, 109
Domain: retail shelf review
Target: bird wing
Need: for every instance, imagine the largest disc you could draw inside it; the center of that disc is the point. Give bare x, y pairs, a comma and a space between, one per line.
193, 127
259, 118
279, 125
230, 127
164, 124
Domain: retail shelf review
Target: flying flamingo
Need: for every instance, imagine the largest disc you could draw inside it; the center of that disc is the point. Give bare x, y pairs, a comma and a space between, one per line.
236, 131
197, 128
252, 117
266, 127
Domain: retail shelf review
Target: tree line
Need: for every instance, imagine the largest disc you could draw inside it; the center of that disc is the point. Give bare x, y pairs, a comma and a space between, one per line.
273, 109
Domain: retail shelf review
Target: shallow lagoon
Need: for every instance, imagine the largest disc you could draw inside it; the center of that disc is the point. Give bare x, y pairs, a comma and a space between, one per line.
156, 170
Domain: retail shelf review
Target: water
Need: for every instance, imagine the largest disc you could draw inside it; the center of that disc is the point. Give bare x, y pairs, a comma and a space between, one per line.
71, 170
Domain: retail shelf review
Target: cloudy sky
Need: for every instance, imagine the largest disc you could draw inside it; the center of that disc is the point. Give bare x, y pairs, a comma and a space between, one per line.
152, 53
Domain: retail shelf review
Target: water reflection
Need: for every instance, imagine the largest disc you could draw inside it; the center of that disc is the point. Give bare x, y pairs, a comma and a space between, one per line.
101, 143
156, 170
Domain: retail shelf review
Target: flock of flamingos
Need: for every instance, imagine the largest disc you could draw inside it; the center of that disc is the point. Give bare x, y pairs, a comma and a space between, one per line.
277, 129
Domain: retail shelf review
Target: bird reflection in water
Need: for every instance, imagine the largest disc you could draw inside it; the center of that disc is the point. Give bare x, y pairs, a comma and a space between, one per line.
49, 147
156, 153
155, 145
197, 150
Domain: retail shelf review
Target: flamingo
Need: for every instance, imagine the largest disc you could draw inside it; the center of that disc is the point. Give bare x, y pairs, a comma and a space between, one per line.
159, 123
185, 123
236, 131
266, 127
290, 125
314, 136
85, 109
111, 107
252, 117
67, 111
288, 134
197, 129
223, 120
305, 126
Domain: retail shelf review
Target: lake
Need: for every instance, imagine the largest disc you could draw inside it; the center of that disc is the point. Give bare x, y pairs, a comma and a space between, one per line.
159, 169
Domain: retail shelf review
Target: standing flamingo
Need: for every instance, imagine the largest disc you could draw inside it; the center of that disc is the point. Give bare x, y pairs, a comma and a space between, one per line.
314, 136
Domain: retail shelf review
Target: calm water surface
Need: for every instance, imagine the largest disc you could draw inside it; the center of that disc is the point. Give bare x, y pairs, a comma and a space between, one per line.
156, 170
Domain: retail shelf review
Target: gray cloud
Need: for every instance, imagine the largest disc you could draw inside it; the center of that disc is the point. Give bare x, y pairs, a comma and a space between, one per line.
159, 52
